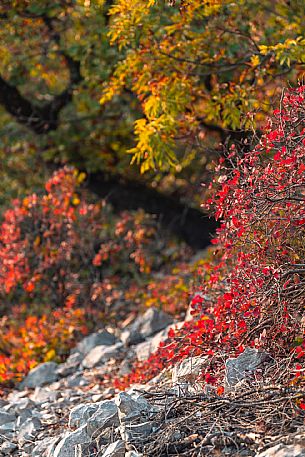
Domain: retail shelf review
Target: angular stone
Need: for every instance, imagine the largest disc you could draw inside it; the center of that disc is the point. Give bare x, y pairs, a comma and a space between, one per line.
7, 448
42, 395
71, 441
20, 406
80, 414
70, 365
136, 432
44, 447
282, 450
188, 370
143, 350
28, 430
7, 430
101, 338
130, 409
105, 416
238, 368
76, 380
101, 354
116, 449
151, 322
43, 374
6, 417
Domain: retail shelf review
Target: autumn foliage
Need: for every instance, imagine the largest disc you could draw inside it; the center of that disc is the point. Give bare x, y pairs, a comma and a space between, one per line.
254, 290
67, 265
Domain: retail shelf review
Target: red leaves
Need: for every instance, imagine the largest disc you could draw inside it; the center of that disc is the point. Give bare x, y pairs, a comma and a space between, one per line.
254, 300
300, 352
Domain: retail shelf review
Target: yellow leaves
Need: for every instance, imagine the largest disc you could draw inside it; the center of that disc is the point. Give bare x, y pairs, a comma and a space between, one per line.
155, 144
128, 18
81, 177
255, 60
75, 200
286, 52
118, 81
50, 355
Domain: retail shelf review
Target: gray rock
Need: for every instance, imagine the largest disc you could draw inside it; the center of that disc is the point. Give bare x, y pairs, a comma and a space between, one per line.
130, 409
8, 429
125, 367
70, 365
44, 447
43, 374
76, 380
188, 370
28, 430
7, 448
282, 450
80, 414
238, 368
105, 416
101, 354
116, 449
136, 432
101, 338
15, 396
143, 350
151, 322
42, 395
71, 441
6, 417
20, 406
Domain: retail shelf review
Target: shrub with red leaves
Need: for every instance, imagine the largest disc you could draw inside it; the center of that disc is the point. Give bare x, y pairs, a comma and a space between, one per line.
256, 285
57, 249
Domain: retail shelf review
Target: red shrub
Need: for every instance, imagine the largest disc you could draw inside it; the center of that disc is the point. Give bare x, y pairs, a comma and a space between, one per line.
69, 261
57, 249
256, 286
26, 341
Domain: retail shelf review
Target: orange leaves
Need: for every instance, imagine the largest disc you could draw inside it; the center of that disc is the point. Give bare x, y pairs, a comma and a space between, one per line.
37, 339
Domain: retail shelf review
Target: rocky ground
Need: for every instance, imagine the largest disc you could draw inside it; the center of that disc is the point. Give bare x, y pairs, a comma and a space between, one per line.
65, 411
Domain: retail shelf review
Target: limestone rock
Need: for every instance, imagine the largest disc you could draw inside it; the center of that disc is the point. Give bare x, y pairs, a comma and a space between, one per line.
116, 449
42, 394
130, 409
136, 432
80, 414
71, 365
71, 441
29, 430
101, 354
151, 322
44, 447
43, 374
247, 362
105, 416
101, 338
6, 417
188, 370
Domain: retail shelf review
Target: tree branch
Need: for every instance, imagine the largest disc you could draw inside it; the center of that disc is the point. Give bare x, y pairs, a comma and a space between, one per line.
40, 118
